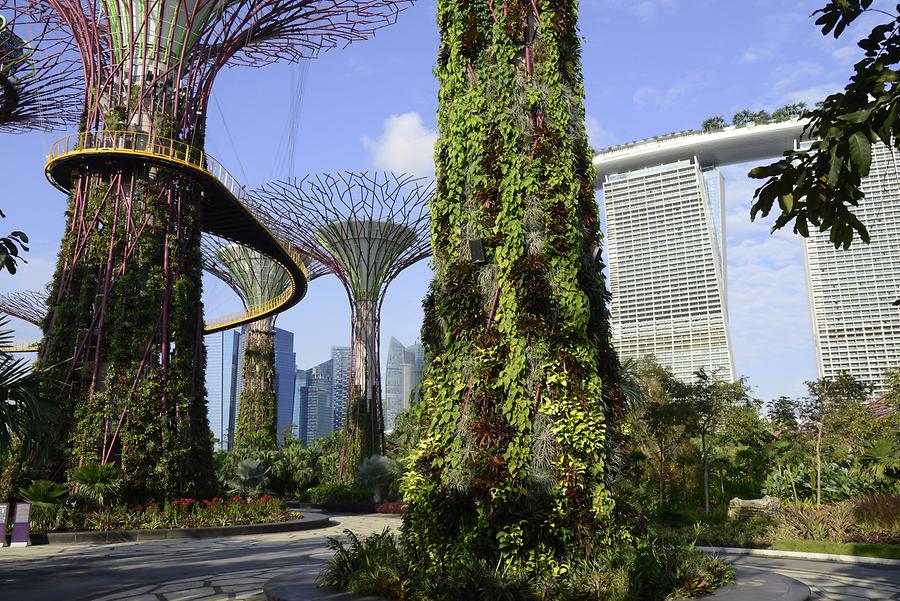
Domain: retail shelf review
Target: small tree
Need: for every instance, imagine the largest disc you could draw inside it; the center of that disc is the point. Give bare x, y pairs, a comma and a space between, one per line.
783, 414
712, 124
789, 111
826, 400
662, 414
706, 402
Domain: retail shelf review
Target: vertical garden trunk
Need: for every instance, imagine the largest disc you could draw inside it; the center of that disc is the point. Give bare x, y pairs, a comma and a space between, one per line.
521, 381
256, 420
364, 419
123, 335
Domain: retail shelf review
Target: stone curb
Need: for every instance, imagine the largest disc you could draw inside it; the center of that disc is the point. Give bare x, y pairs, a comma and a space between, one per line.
876, 561
303, 587
751, 585
309, 521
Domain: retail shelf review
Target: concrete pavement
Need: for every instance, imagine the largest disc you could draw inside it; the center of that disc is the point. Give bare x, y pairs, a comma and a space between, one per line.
237, 568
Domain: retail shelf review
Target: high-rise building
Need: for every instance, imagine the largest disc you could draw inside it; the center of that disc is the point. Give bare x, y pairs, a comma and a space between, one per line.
340, 357
222, 349
301, 404
285, 372
401, 378
224, 381
666, 237
856, 327
665, 212
320, 405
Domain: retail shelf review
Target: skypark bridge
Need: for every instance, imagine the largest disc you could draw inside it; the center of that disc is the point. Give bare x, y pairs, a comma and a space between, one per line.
730, 146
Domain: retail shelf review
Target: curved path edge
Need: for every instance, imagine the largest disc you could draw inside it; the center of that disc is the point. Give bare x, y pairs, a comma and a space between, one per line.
309, 521
877, 561
751, 585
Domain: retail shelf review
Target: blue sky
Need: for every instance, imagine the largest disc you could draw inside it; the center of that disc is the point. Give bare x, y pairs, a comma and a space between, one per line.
651, 67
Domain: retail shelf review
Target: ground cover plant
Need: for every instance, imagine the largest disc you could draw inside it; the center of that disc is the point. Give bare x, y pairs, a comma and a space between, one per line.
380, 565
178, 513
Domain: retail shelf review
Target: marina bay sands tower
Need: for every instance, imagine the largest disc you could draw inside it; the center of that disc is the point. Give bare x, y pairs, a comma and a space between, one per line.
665, 215
665, 208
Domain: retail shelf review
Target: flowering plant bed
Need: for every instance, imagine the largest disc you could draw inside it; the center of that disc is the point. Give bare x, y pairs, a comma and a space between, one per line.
361, 507
179, 513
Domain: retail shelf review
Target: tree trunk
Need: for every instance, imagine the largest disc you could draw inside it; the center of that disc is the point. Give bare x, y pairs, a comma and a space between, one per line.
705, 472
819, 461
662, 475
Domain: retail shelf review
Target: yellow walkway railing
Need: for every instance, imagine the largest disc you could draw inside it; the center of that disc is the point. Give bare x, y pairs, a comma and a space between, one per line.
21, 347
166, 150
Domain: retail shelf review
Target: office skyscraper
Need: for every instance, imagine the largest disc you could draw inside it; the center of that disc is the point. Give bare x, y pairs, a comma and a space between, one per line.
320, 405
285, 372
301, 405
222, 349
856, 327
340, 357
666, 237
225, 365
401, 377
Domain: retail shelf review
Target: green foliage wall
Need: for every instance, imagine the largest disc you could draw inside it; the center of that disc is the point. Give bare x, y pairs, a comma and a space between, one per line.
520, 388
256, 408
123, 336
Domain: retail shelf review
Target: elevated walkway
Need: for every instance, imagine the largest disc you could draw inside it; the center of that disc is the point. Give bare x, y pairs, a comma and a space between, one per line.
730, 146
227, 211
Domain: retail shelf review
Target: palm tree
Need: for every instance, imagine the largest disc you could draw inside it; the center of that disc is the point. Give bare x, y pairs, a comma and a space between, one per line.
24, 411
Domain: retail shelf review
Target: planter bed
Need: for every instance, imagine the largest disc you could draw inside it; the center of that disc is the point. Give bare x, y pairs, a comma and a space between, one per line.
308, 522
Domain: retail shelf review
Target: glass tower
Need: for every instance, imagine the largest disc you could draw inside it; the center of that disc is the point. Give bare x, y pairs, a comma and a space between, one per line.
402, 376
222, 349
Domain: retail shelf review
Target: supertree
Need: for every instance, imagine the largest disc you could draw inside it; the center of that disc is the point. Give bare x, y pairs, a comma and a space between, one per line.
366, 229
27, 305
125, 316
257, 280
521, 391
39, 76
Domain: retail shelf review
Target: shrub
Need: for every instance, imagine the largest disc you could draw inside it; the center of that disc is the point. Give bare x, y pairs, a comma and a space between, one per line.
381, 475
251, 479
325, 493
45, 497
379, 565
96, 483
179, 513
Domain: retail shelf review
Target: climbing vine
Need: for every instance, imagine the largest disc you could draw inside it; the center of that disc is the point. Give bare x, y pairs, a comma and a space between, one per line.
521, 383
123, 334
256, 419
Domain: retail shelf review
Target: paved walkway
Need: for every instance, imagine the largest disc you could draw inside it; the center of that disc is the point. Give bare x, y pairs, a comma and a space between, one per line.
237, 567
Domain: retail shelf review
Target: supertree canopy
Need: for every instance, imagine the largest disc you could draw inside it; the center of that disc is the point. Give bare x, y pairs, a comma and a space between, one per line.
27, 305
257, 280
365, 228
521, 389
125, 320
39, 76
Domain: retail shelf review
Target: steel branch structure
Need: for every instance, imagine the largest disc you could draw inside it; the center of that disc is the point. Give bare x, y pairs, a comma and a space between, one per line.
39, 75
257, 280
126, 319
28, 305
366, 228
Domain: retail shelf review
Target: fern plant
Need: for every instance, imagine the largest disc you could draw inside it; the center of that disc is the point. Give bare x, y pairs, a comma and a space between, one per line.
97, 483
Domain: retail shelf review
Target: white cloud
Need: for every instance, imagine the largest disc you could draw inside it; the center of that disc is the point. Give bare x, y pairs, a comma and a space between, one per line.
768, 304
665, 98
756, 54
598, 137
405, 145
